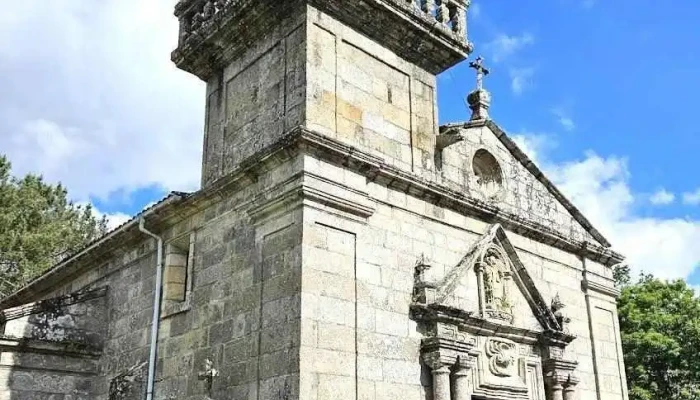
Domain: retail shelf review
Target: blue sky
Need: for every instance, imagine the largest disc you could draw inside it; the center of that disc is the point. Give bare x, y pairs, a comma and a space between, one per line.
599, 93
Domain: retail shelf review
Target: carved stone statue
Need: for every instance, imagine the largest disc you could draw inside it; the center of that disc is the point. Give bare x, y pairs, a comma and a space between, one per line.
496, 277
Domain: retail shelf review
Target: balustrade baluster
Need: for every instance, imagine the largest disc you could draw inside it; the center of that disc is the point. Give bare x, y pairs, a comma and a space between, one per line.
429, 7
443, 13
458, 15
451, 13
196, 22
208, 11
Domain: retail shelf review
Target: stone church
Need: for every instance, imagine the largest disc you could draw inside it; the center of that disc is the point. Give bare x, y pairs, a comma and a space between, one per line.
343, 245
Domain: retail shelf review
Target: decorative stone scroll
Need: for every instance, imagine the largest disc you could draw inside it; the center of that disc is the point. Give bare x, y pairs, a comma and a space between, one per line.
503, 355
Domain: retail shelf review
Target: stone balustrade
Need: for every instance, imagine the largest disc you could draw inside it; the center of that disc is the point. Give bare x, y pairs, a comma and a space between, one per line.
198, 16
213, 33
452, 14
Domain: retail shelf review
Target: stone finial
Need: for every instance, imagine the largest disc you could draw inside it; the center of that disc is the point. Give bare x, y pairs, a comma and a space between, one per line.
421, 266
423, 291
479, 100
562, 319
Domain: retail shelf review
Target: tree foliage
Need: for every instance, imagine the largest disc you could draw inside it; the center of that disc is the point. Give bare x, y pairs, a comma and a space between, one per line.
38, 227
660, 328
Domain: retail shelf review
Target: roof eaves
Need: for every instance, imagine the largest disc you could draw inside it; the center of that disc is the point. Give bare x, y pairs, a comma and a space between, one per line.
13, 299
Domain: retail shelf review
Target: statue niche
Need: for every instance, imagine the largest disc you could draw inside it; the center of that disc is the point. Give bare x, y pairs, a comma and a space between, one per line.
494, 279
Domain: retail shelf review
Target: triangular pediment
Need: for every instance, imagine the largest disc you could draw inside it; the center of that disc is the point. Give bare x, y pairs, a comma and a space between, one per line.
478, 314
491, 283
524, 190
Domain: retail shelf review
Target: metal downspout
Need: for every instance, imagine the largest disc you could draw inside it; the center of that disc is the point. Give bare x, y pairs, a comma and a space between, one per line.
155, 323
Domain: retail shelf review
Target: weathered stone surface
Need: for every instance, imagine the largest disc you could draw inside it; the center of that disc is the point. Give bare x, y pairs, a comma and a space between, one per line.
292, 273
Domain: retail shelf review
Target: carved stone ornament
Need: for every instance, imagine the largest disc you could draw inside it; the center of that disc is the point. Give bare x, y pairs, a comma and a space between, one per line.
502, 355
562, 319
495, 281
208, 374
510, 361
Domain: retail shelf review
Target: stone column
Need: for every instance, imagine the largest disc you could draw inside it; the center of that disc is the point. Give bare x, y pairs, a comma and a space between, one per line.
555, 390
559, 377
441, 383
461, 382
439, 365
570, 388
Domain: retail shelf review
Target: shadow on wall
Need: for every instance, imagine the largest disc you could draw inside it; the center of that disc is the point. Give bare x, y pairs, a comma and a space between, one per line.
52, 347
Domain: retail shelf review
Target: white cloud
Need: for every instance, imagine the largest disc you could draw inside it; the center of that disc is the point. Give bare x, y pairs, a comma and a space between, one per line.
696, 288
521, 79
662, 197
692, 198
599, 187
91, 99
533, 144
504, 46
564, 118
113, 219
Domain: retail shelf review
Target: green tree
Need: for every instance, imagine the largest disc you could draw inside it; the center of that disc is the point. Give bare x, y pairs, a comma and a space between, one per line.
38, 227
660, 327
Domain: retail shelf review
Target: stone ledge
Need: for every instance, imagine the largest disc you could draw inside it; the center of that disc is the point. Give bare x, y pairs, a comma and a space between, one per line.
71, 349
51, 304
481, 327
179, 206
375, 169
590, 286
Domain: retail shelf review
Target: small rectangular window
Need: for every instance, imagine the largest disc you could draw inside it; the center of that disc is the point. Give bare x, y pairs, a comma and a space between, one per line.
177, 274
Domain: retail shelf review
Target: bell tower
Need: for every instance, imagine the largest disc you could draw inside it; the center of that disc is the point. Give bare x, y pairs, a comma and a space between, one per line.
358, 71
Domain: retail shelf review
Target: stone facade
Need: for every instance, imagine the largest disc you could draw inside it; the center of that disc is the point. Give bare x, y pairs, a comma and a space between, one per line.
343, 246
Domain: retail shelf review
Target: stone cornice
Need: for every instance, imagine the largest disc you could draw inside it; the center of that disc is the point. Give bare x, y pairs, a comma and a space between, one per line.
99, 249
51, 304
71, 349
375, 169
178, 206
590, 286
482, 327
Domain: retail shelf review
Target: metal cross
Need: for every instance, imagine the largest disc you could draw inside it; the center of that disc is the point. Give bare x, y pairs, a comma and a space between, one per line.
481, 71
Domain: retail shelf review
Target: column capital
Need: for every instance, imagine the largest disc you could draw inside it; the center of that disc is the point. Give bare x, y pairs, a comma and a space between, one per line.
464, 364
438, 361
560, 378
